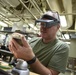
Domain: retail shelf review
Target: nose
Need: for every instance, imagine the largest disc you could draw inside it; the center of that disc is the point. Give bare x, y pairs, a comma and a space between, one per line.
43, 28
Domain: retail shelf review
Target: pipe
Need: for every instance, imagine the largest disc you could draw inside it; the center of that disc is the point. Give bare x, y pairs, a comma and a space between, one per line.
5, 22
4, 17
43, 6
15, 14
35, 7
67, 13
48, 4
27, 9
68, 31
10, 11
25, 21
8, 19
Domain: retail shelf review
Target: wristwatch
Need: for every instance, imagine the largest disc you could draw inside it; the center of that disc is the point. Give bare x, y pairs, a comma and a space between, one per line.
32, 60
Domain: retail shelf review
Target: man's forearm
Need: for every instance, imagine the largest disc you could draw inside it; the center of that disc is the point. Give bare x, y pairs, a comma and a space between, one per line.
39, 68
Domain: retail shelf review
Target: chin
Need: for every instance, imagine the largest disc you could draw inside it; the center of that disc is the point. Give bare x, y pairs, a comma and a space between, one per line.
44, 37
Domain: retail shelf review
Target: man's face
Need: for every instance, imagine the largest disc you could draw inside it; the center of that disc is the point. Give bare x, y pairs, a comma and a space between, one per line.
48, 33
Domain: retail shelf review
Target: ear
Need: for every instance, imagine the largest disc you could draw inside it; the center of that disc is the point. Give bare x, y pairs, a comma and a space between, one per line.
58, 26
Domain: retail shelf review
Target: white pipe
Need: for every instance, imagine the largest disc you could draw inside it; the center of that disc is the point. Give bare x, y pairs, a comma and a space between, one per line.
48, 4
27, 9
35, 7
70, 31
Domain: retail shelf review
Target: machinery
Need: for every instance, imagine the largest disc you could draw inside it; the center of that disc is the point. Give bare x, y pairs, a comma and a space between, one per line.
20, 68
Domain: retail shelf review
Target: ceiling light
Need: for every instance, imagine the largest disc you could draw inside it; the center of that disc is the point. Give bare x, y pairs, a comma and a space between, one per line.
63, 21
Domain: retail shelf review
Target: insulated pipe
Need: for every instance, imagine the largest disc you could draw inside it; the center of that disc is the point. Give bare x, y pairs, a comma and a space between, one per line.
15, 15
67, 13
25, 21
4, 17
27, 9
43, 5
68, 31
5, 22
48, 4
35, 7
11, 12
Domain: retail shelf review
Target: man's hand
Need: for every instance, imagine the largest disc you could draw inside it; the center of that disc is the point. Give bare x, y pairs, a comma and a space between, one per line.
23, 52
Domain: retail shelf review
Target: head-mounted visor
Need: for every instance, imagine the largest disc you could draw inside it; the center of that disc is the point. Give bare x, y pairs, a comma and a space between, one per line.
47, 23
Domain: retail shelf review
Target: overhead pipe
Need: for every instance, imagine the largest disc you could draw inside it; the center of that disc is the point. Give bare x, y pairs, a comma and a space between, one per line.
10, 11
68, 31
25, 21
5, 22
48, 4
35, 7
68, 9
14, 14
67, 14
17, 16
8, 18
4, 16
43, 6
27, 9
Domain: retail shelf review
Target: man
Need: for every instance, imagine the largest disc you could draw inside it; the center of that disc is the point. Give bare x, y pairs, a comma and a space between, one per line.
45, 55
